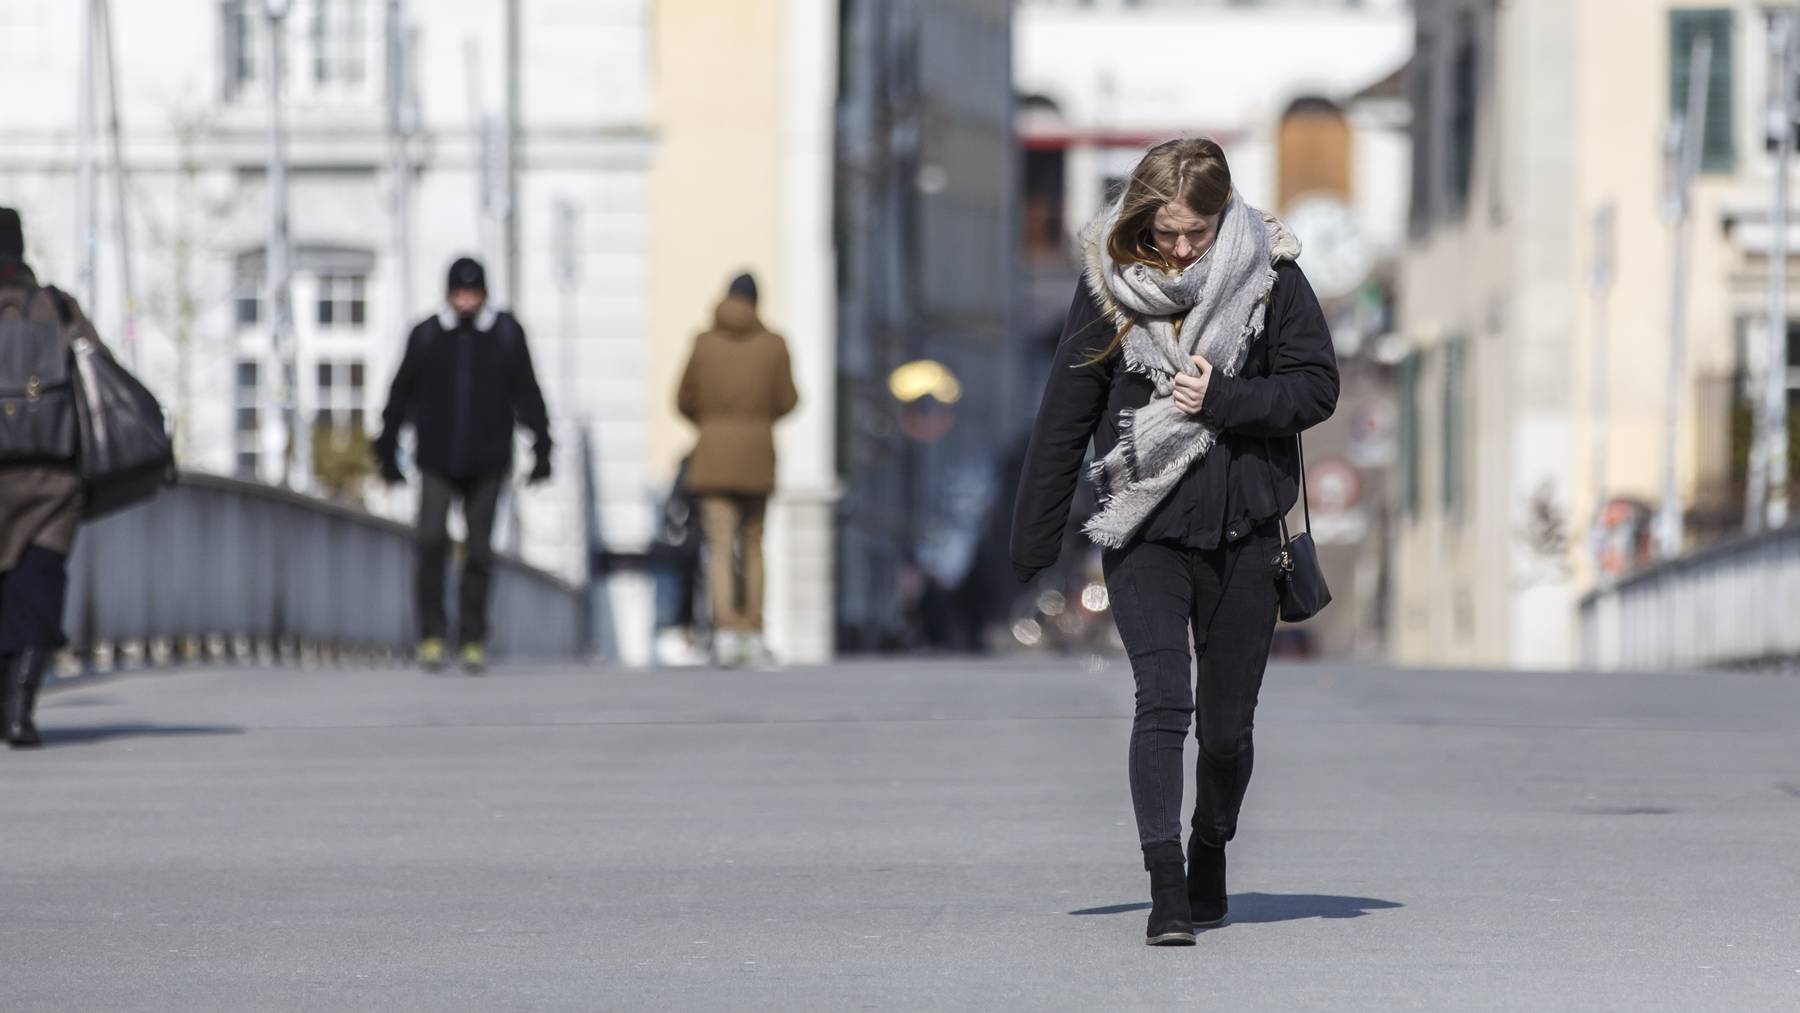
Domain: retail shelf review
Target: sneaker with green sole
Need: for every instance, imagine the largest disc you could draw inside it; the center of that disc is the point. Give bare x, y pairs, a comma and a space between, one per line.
431, 654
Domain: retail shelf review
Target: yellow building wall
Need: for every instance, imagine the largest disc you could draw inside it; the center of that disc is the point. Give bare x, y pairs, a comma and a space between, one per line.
714, 185
1623, 101
1465, 280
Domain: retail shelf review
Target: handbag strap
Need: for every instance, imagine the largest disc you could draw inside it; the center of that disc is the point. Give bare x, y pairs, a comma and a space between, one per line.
1299, 444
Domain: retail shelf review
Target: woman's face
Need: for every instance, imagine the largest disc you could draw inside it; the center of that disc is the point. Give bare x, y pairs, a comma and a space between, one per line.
1181, 234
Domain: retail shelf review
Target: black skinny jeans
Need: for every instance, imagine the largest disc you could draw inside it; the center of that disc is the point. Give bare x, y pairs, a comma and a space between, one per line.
1225, 600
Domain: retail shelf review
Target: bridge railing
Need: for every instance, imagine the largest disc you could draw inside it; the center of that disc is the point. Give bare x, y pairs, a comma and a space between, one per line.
219, 565
1732, 605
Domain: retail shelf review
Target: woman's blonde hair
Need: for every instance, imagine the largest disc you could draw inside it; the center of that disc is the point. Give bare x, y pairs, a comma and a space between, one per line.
1191, 171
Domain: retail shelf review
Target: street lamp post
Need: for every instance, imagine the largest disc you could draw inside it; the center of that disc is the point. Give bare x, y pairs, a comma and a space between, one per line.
1601, 282
87, 206
279, 281
403, 124
1765, 499
1686, 137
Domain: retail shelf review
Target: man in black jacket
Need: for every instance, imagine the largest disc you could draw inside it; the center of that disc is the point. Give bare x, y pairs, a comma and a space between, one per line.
465, 382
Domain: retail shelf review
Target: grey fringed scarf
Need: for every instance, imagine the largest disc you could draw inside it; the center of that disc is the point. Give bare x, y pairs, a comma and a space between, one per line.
1224, 295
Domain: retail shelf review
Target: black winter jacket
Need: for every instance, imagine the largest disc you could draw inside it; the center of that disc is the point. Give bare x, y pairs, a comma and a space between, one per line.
463, 385
1251, 475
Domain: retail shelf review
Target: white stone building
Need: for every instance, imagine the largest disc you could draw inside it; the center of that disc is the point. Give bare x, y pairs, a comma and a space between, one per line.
192, 102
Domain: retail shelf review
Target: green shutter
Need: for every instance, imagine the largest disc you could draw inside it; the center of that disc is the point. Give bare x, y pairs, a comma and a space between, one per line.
1455, 425
1719, 154
1406, 382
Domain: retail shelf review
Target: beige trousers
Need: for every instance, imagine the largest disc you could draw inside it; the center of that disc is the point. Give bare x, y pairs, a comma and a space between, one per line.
734, 533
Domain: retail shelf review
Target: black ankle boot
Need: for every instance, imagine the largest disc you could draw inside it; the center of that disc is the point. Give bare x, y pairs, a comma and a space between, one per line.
1206, 884
1170, 924
23, 677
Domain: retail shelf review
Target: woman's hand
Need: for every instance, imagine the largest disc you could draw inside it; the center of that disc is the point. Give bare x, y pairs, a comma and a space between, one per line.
1190, 390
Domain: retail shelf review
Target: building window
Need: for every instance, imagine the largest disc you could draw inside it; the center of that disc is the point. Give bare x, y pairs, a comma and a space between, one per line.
1463, 84
342, 301
1424, 127
1045, 181
1718, 152
339, 33
339, 395
247, 426
241, 31
1313, 152
1455, 425
246, 302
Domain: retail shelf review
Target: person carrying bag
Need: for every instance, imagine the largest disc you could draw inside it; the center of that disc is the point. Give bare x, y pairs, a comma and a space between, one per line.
79, 438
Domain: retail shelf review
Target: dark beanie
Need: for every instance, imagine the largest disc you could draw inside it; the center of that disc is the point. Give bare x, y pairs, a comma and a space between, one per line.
467, 272
743, 287
12, 235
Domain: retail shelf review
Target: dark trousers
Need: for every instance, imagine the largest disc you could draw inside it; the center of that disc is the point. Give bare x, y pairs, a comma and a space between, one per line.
480, 500
31, 601
1225, 600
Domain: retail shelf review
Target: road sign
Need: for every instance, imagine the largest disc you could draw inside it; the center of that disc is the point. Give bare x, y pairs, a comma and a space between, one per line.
1333, 486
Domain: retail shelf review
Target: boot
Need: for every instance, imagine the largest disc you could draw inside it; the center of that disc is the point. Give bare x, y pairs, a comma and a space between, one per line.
1170, 923
1206, 883
23, 677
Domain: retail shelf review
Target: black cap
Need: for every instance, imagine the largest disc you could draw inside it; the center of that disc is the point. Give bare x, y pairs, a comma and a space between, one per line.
743, 287
12, 235
467, 272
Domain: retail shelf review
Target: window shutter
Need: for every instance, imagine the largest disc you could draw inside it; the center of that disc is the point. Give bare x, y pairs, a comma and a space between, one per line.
1455, 424
1407, 384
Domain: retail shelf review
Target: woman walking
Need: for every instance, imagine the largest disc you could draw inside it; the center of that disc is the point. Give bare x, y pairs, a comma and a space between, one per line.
1193, 354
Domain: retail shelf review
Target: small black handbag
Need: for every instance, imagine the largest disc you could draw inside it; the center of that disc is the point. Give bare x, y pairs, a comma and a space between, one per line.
1298, 576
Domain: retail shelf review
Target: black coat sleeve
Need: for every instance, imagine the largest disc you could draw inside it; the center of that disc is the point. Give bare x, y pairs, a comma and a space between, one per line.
1301, 389
527, 397
401, 392
1075, 396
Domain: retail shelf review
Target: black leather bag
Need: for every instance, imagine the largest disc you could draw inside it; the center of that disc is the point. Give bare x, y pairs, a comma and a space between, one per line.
1298, 575
125, 455
37, 399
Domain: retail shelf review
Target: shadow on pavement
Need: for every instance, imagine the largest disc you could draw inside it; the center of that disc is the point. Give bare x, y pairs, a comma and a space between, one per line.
1257, 908
1261, 908
1114, 909
91, 734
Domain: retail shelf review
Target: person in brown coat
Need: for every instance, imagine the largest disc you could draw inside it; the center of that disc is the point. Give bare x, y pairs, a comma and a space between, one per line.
738, 382
40, 506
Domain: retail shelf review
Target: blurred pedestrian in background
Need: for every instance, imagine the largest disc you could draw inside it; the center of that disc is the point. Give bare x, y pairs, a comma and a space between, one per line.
40, 490
675, 561
738, 383
1193, 353
465, 382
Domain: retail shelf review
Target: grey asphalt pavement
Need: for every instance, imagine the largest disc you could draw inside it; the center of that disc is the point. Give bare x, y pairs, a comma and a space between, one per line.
907, 835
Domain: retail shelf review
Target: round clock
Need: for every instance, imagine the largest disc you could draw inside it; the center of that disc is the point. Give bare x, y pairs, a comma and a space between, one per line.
1334, 254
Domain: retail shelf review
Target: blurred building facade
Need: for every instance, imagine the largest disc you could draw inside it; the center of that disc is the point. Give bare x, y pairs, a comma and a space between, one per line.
924, 222
1308, 98
192, 76
1537, 301
744, 101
